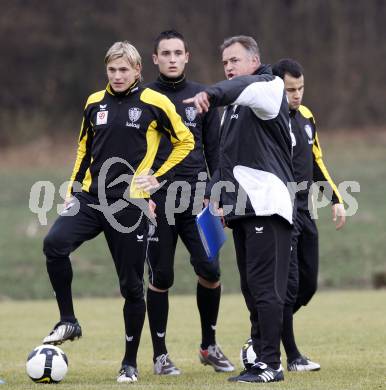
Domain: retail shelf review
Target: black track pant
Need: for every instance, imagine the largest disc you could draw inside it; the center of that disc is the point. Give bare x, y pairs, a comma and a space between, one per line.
128, 252
303, 274
263, 252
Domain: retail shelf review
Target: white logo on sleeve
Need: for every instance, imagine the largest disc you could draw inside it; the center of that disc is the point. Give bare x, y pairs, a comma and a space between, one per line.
101, 118
259, 229
129, 338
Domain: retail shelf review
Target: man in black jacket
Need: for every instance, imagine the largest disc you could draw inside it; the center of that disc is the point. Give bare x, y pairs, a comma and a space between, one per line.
308, 168
254, 170
171, 57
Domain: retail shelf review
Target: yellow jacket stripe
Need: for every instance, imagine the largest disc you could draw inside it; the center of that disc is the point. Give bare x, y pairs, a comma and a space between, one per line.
82, 147
318, 155
181, 137
153, 138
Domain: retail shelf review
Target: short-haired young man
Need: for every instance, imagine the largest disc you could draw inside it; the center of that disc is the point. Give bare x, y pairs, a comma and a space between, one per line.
121, 129
171, 56
308, 168
255, 164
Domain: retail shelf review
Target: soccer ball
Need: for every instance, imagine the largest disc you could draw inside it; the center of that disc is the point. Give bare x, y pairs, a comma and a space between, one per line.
47, 364
247, 354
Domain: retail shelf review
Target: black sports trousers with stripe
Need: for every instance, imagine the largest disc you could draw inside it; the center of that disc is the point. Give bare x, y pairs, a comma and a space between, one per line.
263, 253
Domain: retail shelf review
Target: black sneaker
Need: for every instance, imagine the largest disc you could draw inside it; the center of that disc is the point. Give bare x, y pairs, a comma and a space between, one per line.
164, 366
259, 373
127, 374
62, 332
234, 378
302, 363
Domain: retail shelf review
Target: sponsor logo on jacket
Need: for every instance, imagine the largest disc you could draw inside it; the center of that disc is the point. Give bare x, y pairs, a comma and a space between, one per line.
101, 117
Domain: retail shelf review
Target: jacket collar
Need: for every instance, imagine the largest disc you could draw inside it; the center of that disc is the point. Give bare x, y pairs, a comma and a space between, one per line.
171, 84
133, 88
263, 69
292, 113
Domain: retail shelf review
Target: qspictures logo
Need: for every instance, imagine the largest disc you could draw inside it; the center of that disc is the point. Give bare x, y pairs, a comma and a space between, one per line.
42, 195
180, 196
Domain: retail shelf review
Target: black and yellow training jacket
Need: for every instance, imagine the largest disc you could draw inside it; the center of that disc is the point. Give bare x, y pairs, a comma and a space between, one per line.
127, 127
307, 157
204, 127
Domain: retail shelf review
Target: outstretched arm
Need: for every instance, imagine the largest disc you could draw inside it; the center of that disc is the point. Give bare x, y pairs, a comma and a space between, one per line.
262, 93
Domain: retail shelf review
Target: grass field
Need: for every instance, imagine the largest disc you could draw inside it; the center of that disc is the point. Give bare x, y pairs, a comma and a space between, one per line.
344, 331
348, 258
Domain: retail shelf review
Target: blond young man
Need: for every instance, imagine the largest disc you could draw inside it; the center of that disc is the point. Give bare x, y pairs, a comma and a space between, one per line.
120, 133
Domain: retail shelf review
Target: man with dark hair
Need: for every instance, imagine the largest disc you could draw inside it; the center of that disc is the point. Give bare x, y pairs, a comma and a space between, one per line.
308, 168
288, 67
171, 56
254, 168
112, 167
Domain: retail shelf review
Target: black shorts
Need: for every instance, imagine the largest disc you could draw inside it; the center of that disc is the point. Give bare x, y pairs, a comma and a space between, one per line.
162, 242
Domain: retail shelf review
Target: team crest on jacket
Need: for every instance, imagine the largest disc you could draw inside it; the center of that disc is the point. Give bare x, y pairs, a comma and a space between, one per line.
134, 114
308, 130
191, 113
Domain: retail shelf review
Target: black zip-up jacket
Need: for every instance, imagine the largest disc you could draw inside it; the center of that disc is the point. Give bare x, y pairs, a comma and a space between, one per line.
127, 126
205, 128
255, 146
307, 158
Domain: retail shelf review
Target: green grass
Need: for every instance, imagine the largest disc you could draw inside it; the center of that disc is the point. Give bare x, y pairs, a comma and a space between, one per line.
348, 258
351, 256
344, 331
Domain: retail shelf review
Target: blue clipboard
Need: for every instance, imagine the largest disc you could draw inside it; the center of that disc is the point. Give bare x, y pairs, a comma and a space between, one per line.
211, 231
